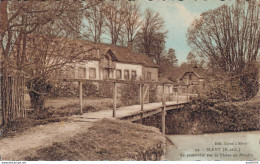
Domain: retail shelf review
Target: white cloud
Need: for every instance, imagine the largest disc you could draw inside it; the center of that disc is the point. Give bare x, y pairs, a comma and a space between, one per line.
174, 13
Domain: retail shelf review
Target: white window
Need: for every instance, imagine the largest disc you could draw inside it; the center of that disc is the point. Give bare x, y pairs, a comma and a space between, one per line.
126, 74
81, 72
133, 75
149, 74
92, 73
118, 74
106, 73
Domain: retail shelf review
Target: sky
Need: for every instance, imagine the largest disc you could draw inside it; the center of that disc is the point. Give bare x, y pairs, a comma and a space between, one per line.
178, 15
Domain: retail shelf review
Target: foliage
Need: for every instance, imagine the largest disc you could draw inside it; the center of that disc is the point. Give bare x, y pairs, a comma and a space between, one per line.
70, 89
209, 116
150, 39
228, 37
191, 58
105, 90
95, 26
225, 88
30, 40
129, 94
153, 97
171, 56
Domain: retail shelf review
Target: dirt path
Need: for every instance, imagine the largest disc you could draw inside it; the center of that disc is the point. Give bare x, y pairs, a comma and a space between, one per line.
26, 143
17, 147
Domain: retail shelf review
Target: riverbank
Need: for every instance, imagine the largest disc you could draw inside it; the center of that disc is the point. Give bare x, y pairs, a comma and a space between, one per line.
107, 140
206, 117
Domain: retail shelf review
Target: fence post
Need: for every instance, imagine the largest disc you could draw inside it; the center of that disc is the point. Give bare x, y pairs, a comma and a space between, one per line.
177, 95
187, 93
1, 101
142, 100
80, 97
142, 96
114, 99
163, 109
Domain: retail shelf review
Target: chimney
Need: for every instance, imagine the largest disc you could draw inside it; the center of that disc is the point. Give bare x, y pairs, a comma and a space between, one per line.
130, 45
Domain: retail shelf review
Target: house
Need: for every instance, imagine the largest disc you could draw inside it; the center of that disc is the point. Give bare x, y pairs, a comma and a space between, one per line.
193, 78
106, 61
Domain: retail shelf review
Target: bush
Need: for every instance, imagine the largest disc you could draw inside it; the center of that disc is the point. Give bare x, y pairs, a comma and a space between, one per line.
129, 94
153, 97
232, 87
71, 89
105, 90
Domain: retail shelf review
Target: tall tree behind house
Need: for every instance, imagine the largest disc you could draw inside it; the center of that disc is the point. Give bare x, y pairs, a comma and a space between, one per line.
133, 20
172, 57
95, 26
150, 39
115, 15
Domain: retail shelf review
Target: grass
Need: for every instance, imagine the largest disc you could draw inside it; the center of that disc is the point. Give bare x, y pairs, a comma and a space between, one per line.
56, 110
107, 140
63, 102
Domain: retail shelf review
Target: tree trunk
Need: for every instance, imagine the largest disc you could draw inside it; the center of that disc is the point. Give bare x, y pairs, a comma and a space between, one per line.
37, 90
37, 101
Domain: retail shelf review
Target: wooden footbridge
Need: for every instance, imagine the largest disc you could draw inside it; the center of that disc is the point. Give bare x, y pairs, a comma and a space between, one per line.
131, 113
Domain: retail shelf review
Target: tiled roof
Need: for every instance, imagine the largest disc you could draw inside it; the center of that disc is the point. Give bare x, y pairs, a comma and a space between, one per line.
198, 71
126, 55
122, 54
165, 80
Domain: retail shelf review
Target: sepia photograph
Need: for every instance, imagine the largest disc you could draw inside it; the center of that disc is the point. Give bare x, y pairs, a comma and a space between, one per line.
129, 80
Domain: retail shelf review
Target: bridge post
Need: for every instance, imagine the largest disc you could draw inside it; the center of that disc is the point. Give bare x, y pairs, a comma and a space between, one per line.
163, 109
80, 97
114, 99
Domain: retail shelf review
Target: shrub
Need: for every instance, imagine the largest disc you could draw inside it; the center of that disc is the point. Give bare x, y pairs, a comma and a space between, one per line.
129, 94
71, 89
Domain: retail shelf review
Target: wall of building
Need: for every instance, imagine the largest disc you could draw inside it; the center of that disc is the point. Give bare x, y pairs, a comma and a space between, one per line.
93, 64
193, 79
82, 70
130, 67
154, 73
87, 66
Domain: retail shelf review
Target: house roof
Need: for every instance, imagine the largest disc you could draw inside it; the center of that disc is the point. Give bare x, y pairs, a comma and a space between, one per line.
198, 71
122, 53
126, 54
165, 80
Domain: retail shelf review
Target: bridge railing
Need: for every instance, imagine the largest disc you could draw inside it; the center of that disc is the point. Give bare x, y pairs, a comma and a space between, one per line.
141, 84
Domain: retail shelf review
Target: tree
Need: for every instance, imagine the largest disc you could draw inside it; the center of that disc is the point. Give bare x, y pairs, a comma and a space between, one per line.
115, 16
228, 37
172, 57
191, 58
150, 39
132, 22
95, 26
29, 41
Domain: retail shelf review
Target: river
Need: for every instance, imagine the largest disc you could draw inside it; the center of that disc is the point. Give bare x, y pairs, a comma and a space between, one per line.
232, 146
